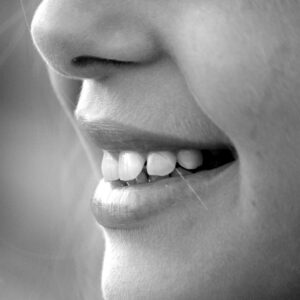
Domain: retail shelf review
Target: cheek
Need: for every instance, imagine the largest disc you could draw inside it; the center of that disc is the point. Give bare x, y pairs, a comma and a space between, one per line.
243, 72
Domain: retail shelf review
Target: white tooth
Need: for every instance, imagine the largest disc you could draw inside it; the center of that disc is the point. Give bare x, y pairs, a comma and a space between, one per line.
161, 163
190, 159
110, 167
130, 165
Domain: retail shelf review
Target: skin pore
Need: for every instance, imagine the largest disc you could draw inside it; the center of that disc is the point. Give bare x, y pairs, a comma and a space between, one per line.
219, 70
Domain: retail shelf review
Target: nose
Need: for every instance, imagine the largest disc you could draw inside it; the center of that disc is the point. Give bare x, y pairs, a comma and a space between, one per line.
88, 39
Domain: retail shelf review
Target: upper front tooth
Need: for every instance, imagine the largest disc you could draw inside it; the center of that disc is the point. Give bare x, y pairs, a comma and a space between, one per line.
130, 165
110, 167
190, 159
161, 163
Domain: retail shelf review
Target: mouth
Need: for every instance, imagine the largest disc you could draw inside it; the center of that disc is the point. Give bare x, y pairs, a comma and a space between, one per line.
129, 168
138, 184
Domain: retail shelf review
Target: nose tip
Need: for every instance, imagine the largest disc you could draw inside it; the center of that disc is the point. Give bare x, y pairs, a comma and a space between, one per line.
91, 42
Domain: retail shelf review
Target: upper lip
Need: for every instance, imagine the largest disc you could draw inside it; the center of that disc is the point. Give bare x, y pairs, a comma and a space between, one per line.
116, 132
115, 137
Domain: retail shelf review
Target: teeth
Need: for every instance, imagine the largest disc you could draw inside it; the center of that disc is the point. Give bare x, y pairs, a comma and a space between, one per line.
130, 165
161, 163
190, 159
110, 167
130, 168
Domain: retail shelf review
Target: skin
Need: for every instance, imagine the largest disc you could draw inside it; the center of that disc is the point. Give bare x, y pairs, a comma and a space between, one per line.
226, 69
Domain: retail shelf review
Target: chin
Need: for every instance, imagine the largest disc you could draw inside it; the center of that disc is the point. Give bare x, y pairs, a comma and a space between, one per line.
133, 272
132, 275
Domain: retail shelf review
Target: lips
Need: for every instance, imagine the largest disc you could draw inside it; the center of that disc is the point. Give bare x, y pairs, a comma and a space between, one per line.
124, 202
151, 164
114, 136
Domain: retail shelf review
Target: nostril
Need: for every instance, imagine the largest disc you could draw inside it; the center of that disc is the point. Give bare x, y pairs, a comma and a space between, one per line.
105, 41
92, 61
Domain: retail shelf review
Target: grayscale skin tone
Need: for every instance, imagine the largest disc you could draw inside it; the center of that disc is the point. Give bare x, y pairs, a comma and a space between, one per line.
232, 69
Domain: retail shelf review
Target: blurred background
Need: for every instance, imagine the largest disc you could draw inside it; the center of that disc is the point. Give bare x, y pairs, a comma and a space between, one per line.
50, 245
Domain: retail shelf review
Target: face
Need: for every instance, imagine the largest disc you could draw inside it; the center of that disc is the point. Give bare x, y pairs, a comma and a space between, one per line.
196, 106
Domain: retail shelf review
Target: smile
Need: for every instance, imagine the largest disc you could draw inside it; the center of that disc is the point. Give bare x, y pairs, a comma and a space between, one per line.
151, 170
130, 168
139, 185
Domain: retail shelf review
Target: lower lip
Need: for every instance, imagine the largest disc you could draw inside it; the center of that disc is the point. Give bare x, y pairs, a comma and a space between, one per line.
133, 206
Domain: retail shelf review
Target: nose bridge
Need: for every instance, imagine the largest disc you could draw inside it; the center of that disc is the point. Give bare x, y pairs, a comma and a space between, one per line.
64, 30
